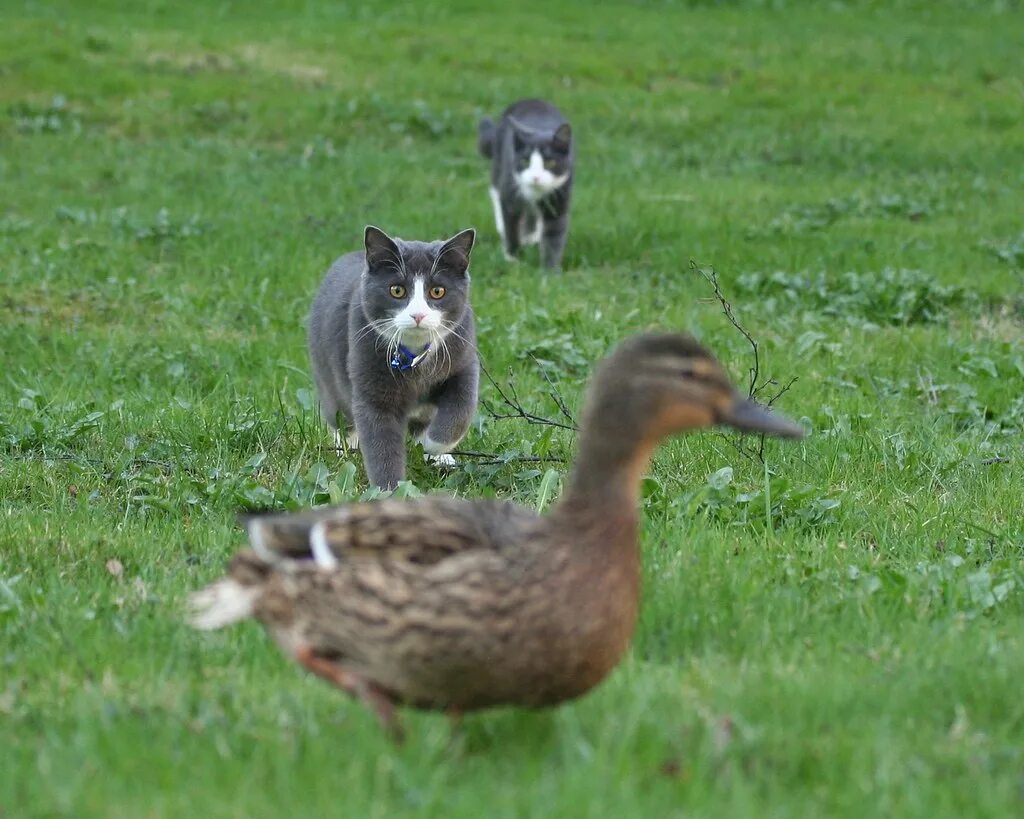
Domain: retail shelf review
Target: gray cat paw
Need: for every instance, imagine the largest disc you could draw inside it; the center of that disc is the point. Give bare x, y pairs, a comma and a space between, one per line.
349, 442
441, 460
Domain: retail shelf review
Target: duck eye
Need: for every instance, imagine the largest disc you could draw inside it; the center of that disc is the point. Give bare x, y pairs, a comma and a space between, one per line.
436, 292
397, 291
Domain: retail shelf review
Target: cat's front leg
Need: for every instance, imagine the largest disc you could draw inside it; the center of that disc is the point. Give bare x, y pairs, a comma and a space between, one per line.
456, 405
382, 441
532, 227
512, 216
552, 243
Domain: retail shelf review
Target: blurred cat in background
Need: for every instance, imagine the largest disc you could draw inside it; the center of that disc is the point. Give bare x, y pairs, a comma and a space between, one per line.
532, 157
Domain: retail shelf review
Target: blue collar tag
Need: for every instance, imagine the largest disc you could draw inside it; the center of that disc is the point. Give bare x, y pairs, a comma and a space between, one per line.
405, 359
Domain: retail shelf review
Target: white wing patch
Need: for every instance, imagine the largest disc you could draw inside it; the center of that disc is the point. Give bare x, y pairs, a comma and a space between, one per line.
258, 541
322, 554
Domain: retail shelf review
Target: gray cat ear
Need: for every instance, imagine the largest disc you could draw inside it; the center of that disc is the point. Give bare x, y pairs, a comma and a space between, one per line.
520, 132
380, 247
563, 137
455, 252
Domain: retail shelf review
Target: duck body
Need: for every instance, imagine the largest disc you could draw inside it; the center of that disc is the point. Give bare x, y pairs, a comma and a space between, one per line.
452, 605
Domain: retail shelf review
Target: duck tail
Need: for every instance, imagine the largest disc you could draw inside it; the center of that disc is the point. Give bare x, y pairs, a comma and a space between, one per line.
232, 598
485, 141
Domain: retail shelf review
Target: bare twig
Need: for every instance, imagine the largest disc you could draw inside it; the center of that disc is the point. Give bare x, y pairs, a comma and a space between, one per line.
782, 391
496, 458
712, 279
736, 442
510, 398
754, 389
556, 396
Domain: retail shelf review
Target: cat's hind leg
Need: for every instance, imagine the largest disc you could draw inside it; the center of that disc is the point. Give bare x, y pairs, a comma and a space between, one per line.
532, 227
334, 421
499, 220
348, 443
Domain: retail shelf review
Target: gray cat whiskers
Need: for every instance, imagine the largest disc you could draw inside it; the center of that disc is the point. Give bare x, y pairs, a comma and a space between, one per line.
374, 329
532, 157
393, 349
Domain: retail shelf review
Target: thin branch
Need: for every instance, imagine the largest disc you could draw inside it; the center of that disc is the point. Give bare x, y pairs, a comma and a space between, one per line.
496, 458
782, 391
556, 396
517, 410
735, 441
712, 279
754, 390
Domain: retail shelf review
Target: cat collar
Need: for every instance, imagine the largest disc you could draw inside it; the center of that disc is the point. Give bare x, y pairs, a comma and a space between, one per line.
405, 359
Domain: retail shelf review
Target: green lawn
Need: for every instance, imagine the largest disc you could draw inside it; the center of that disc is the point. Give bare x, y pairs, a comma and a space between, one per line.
837, 631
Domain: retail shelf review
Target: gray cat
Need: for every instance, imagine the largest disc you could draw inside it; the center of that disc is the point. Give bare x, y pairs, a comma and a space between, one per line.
532, 157
393, 347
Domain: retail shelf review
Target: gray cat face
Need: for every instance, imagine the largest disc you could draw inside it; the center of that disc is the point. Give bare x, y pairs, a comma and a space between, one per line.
541, 162
414, 293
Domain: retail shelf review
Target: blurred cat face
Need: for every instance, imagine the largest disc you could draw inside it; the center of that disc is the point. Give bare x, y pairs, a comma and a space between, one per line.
542, 163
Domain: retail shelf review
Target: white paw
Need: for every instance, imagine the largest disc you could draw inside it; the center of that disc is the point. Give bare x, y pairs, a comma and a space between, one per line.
442, 460
349, 442
534, 236
508, 256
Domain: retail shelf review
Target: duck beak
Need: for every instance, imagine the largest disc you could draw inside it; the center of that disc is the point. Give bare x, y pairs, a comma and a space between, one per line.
747, 415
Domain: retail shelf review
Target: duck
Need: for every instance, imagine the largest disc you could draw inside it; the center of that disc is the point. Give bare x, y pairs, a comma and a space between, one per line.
456, 605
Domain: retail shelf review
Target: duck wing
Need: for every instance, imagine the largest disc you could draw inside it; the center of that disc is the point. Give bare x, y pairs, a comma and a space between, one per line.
421, 532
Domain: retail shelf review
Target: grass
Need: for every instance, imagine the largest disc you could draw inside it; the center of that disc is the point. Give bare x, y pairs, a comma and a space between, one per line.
176, 179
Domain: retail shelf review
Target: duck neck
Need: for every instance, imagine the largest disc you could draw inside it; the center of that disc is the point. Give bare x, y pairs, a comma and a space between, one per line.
609, 464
